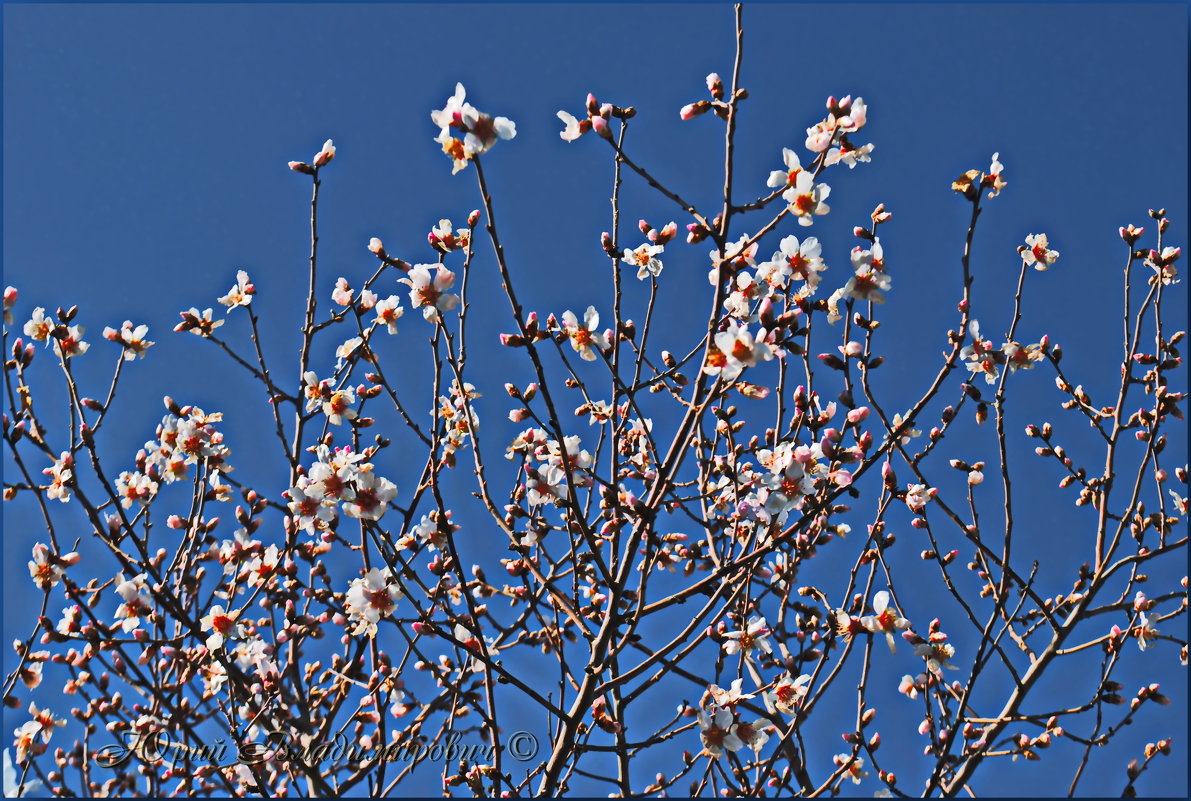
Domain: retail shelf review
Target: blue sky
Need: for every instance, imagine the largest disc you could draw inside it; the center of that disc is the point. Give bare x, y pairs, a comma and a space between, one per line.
145, 150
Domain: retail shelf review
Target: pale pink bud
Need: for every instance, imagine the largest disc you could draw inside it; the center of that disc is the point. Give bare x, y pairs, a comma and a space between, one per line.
600, 126
376, 246
715, 86
692, 110
324, 156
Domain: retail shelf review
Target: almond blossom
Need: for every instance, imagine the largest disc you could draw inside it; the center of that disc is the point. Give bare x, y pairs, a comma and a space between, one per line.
199, 323
717, 730
444, 238
133, 339
937, 656
43, 722
798, 261
735, 349
370, 598
135, 487
61, 475
69, 343
1021, 357
240, 294
135, 601
372, 496
572, 128
1038, 253
854, 766
886, 621
784, 179
806, 198
544, 484
916, 497
730, 697
787, 693
388, 312
222, 625
585, 339
755, 635
430, 293
309, 510
993, 178
46, 569
645, 259
480, 130
754, 734
1146, 632
39, 326
848, 155
343, 293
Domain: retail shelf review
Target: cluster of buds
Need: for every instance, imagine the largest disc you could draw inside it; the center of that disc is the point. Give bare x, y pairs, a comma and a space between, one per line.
599, 115
532, 334
717, 104
321, 159
656, 236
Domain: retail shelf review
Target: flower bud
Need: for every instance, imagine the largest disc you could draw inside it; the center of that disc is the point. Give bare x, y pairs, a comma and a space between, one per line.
715, 86
692, 110
600, 126
324, 156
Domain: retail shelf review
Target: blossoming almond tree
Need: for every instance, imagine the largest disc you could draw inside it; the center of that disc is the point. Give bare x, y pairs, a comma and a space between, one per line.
636, 584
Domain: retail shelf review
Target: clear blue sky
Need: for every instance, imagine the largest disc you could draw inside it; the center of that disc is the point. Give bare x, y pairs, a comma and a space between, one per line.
145, 150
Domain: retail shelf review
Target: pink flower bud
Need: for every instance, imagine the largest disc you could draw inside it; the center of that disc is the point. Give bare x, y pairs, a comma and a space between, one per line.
665, 234
696, 233
302, 167
692, 110
715, 86
1131, 234
376, 246
600, 126
324, 156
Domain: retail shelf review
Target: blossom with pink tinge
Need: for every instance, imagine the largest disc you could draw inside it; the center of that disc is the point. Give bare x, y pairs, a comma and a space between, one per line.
1038, 253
